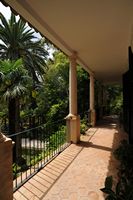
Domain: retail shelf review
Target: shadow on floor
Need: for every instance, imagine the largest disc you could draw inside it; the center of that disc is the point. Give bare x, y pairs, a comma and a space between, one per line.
91, 145
112, 122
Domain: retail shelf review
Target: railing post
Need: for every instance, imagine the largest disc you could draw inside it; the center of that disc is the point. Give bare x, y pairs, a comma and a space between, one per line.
6, 177
73, 128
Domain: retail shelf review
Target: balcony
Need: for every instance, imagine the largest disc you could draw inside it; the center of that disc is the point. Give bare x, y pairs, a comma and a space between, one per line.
80, 170
89, 39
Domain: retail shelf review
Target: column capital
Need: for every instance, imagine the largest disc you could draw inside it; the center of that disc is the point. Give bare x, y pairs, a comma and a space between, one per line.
91, 74
73, 56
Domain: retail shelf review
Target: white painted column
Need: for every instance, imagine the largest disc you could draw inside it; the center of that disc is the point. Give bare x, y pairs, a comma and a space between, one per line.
73, 86
92, 101
73, 120
91, 92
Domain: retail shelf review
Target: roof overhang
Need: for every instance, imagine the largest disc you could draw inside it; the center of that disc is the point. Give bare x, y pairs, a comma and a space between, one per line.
99, 31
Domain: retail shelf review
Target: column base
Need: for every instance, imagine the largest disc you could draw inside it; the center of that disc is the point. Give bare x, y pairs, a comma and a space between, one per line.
73, 128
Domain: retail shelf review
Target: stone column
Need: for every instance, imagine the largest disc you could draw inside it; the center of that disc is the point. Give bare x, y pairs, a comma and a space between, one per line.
6, 178
73, 120
92, 102
73, 86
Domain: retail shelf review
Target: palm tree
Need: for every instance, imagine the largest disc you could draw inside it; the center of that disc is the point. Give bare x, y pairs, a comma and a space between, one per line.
13, 81
18, 41
13, 84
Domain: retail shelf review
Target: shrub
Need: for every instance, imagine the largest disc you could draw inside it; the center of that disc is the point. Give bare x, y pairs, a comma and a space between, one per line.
83, 126
124, 187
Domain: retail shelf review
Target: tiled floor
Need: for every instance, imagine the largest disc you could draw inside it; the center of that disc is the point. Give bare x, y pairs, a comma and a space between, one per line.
79, 172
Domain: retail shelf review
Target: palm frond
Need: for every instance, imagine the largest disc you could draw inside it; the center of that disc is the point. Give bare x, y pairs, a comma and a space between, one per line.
2, 76
19, 42
18, 90
12, 19
4, 22
6, 95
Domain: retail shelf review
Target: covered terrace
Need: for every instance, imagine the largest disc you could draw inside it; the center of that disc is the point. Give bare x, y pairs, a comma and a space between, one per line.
98, 35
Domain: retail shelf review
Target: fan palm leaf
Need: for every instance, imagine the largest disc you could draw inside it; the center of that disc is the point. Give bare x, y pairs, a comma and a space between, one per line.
13, 79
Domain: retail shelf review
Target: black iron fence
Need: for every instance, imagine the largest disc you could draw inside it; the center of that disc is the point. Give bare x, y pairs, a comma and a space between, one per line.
25, 123
35, 147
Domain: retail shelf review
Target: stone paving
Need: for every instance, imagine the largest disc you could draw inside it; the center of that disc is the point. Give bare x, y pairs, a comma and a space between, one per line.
79, 172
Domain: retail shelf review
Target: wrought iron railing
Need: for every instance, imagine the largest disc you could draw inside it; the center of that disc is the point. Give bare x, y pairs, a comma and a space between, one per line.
35, 147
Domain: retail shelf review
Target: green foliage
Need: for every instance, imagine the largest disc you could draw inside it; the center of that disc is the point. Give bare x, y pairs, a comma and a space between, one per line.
125, 155
56, 111
122, 191
16, 169
3, 118
108, 188
83, 90
52, 97
115, 99
53, 110
18, 41
124, 187
83, 126
13, 79
58, 138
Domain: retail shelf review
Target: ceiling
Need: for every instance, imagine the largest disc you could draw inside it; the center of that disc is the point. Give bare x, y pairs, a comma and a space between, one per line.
100, 31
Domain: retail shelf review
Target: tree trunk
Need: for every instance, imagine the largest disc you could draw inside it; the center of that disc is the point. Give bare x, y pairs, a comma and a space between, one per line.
13, 110
14, 115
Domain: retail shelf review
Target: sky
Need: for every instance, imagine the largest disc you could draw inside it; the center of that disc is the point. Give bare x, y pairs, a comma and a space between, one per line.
5, 11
